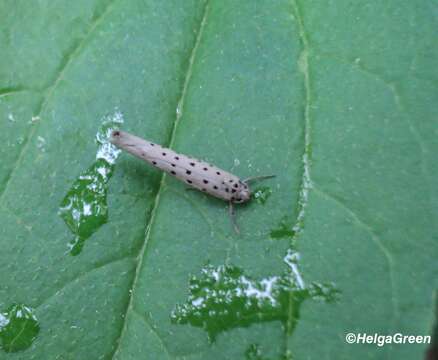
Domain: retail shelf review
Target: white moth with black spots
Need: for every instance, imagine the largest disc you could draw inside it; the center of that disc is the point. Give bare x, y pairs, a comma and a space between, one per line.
196, 173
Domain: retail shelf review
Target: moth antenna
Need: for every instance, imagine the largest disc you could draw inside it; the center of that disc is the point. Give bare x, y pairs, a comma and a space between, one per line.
257, 178
233, 218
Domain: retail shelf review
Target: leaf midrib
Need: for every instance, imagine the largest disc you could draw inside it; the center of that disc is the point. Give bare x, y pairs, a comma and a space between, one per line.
143, 250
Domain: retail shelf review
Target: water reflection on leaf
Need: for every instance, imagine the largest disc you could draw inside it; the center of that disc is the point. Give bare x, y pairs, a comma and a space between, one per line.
18, 328
84, 208
223, 297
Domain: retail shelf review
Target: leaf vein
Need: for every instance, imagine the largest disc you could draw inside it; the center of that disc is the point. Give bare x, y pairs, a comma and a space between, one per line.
50, 89
395, 92
146, 321
305, 184
387, 255
80, 276
161, 186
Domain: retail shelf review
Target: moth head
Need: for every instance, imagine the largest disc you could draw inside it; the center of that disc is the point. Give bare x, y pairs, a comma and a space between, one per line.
115, 136
122, 139
243, 194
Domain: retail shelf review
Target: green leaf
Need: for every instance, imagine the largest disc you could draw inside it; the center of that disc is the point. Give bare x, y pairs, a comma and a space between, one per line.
337, 99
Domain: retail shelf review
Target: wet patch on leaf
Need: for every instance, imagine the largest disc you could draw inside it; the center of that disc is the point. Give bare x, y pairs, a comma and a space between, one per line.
283, 230
84, 208
254, 352
261, 194
223, 297
18, 328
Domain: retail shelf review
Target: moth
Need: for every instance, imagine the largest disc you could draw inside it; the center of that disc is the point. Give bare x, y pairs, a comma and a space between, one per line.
198, 174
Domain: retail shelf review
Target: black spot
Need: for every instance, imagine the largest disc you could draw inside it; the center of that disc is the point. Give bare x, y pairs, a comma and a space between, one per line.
189, 181
231, 180
173, 165
236, 186
173, 172
205, 181
192, 163
188, 172
176, 158
143, 154
164, 154
227, 190
152, 144
218, 172
205, 169
232, 198
215, 187
154, 162
233, 190
223, 182
116, 133
204, 189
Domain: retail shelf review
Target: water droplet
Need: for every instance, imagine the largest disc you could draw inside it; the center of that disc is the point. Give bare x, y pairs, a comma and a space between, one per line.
179, 110
223, 297
84, 208
236, 162
18, 328
41, 143
34, 119
261, 194
11, 117
106, 150
253, 352
284, 230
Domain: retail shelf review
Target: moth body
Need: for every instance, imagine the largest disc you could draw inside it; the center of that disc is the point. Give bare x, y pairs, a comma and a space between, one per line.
196, 173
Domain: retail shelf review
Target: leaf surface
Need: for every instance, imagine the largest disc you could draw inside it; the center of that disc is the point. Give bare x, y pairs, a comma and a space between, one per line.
338, 100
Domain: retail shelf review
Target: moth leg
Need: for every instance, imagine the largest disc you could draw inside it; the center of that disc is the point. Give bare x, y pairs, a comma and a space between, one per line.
233, 218
256, 178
